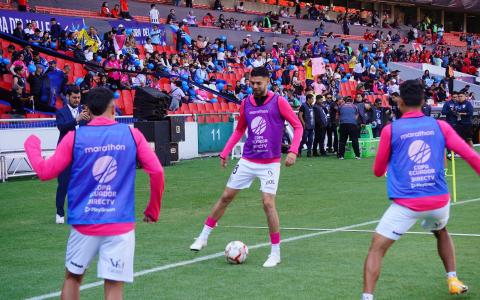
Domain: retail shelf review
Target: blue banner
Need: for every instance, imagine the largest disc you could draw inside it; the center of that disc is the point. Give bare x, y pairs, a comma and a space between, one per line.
140, 30
9, 18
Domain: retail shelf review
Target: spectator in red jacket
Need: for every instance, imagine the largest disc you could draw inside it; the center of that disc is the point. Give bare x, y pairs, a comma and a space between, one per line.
116, 11
105, 12
124, 10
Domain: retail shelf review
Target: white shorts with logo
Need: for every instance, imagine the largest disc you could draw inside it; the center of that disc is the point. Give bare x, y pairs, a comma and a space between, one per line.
246, 171
115, 254
398, 219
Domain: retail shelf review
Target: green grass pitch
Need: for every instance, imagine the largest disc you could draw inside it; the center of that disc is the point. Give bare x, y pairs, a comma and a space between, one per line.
317, 192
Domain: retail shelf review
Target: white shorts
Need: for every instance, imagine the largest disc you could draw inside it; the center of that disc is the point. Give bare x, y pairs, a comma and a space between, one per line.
115, 254
246, 171
398, 219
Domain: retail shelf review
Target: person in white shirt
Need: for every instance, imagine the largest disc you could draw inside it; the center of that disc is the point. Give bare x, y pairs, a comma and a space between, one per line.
148, 46
318, 87
88, 54
358, 70
258, 62
240, 8
221, 58
191, 19
154, 15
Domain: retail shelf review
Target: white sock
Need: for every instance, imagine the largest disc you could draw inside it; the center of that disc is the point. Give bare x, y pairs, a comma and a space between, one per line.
451, 274
366, 296
205, 232
275, 250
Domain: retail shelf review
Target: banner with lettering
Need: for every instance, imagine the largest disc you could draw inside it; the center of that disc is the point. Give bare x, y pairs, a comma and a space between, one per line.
9, 19
140, 30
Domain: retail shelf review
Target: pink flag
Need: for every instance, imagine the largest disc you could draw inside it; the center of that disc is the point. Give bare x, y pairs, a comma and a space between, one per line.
119, 41
318, 66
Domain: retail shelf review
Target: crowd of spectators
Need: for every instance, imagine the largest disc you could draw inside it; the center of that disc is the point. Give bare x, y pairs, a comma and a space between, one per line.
200, 59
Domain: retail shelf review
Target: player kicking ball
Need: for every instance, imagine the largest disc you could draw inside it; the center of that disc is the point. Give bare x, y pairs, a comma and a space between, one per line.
264, 114
101, 194
412, 150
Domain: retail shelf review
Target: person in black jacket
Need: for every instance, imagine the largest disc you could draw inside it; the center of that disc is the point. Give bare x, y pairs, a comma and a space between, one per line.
55, 30
18, 31
321, 124
307, 119
68, 118
332, 136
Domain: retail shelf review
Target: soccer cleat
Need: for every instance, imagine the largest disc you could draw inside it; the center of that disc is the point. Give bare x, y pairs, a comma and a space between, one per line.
456, 287
357, 157
59, 219
272, 261
341, 158
198, 245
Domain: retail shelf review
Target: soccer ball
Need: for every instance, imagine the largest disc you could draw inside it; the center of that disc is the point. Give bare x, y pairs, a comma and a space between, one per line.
236, 252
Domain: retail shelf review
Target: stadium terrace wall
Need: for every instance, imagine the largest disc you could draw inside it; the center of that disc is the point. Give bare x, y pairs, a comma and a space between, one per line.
414, 71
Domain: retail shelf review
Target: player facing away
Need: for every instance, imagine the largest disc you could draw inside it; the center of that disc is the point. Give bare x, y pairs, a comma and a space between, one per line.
412, 150
264, 114
101, 193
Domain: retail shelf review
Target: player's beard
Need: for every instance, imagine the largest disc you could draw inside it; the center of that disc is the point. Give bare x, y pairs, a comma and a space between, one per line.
259, 93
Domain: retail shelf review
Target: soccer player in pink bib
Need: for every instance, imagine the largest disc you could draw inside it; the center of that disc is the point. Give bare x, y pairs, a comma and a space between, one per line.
412, 150
263, 114
101, 193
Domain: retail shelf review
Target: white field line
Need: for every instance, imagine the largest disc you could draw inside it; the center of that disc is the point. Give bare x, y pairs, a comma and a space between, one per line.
360, 230
346, 230
207, 257
219, 254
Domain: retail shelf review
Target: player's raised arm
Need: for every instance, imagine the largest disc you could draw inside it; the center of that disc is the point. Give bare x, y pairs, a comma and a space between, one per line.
151, 165
47, 169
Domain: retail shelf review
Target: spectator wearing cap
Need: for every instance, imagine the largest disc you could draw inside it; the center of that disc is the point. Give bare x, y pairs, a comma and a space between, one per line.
36, 37
18, 31
349, 129
55, 29
52, 66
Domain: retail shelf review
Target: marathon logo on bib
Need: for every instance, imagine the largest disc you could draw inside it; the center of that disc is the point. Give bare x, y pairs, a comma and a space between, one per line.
258, 127
102, 199
109, 147
422, 174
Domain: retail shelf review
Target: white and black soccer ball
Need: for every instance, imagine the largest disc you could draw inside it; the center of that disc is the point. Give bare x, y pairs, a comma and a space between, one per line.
236, 252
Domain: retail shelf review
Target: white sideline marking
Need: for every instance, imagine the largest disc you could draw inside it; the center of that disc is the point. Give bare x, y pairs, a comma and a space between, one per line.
345, 230
219, 254
207, 257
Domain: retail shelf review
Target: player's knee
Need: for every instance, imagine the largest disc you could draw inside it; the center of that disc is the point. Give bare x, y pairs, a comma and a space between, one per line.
73, 277
226, 198
440, 232
268, 204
